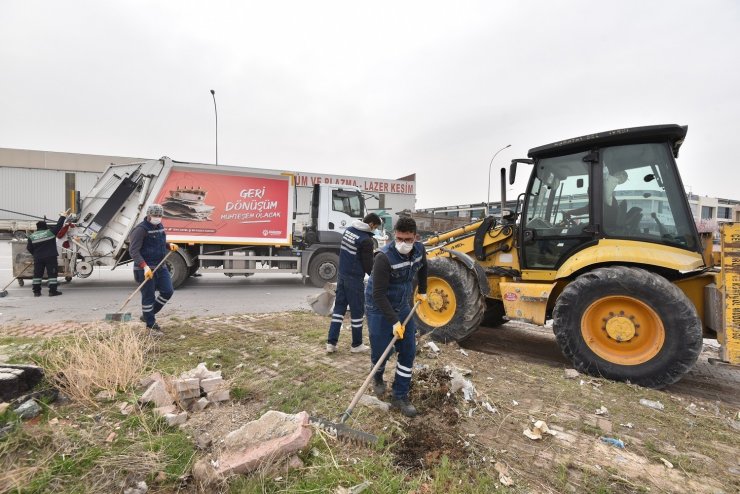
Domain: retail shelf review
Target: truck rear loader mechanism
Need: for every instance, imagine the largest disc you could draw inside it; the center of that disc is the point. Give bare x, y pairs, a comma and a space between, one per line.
606, 248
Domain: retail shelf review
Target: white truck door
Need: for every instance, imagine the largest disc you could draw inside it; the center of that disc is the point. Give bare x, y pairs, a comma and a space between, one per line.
338, 207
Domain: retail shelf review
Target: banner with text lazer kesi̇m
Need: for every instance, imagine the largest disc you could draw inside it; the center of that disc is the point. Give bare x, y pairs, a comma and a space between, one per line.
215, 207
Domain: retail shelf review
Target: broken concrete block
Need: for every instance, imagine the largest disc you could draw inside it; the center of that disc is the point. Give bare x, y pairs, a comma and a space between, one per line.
17, 379
157, 394
216, 396
189, 384
201, 372
273, 436
176, 418
4, 407
162, 411
28, 409
212, 384
147, 381
139, 488
571, 374
188, 394
199, 405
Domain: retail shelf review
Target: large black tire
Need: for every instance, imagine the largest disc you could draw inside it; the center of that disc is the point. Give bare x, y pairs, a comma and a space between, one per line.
628, 324
178, 268
494, 315
323, 268
455, 304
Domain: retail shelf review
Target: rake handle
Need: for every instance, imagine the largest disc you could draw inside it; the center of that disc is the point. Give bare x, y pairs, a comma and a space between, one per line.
138, 288
377, 365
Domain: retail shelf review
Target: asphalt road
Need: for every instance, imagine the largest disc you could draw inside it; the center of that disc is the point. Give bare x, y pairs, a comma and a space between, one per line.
104, 291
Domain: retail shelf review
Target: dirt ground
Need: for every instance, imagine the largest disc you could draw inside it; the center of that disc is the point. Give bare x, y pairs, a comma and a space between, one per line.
514, 376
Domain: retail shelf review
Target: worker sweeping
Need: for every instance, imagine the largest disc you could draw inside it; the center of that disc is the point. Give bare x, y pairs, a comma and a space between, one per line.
43, 245
147, 247
388, 302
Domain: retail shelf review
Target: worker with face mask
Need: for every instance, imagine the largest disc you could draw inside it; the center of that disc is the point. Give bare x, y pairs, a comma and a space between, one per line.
147, 247
388, 299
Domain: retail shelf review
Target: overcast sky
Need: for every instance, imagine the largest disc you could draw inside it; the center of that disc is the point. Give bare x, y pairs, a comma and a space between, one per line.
380, 89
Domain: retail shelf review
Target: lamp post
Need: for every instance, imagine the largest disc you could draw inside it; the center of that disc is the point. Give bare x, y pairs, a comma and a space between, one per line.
488, 199
215, 110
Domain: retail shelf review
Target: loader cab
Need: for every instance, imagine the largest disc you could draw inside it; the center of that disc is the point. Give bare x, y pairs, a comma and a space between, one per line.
617, 185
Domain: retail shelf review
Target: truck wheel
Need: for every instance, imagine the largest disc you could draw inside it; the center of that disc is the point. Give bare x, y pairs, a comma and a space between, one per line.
323, 269
178, 269
494, 315
628, 324
455, 305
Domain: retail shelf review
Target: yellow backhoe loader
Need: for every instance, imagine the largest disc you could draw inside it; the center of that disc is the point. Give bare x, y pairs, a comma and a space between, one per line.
606, 248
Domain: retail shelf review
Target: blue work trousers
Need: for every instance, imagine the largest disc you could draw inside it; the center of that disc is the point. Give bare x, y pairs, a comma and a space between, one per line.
350, 292
151, 303
381, 334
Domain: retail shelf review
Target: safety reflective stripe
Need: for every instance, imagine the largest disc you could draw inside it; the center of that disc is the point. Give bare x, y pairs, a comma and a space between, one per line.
405, 263
147, 308
403, 371
53, 281
357, 320
337, 317
161, 299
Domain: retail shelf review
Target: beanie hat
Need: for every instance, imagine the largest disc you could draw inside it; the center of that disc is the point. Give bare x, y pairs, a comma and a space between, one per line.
41, 225
155, 210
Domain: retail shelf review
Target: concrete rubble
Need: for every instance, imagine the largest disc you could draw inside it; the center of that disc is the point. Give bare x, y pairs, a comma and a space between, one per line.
17, 379
28, 409
193, 391
270, 440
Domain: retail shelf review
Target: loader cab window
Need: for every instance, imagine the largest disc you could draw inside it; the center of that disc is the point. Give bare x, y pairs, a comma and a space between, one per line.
642, 196
556, 211
348, 202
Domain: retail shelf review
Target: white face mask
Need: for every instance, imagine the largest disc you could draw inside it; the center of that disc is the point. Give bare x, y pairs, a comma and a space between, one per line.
404, 248
155, 220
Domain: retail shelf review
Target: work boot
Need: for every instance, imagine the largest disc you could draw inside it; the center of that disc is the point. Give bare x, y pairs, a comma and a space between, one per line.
155, 331
361, 348
378, 387
404, 405
54, 294
330, 348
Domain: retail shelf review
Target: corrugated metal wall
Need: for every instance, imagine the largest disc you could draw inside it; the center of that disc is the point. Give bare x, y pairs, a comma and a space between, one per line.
38, 192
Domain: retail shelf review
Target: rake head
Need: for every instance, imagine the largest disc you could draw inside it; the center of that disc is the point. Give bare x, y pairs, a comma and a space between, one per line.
118, 317
344, 433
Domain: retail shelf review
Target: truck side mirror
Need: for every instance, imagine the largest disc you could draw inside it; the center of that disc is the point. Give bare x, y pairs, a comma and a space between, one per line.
512, 172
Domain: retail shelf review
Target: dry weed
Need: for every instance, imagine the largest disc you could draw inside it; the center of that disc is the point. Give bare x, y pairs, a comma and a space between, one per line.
99, 359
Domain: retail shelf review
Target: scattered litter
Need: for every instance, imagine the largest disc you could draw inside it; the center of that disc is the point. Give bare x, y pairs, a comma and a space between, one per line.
373, 402
539, 428
514, 402
503, 474
54, 421
470, 412
489, 407
655, 405
613, 441
692, 409
432, 346
239, 366
182, 336
602, 411
572, 374
357, 489
667, 463
628, 425
458, 382
111, 437
463, 352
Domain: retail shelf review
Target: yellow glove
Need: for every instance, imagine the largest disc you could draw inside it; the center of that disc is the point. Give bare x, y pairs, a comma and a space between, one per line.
148, 273
174, 247
398, 330
420, 297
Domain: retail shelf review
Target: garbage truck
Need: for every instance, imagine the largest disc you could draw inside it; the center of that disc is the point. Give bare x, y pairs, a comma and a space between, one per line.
225, 219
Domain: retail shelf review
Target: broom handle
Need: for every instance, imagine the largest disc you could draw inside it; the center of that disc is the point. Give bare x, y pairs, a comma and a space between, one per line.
377, 365
19, 275
138, 288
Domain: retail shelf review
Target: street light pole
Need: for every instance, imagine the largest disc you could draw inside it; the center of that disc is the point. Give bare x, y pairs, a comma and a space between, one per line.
215, 110
488, 199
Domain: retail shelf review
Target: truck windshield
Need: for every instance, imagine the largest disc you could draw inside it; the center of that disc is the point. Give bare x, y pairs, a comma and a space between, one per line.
348, 202
642, 196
